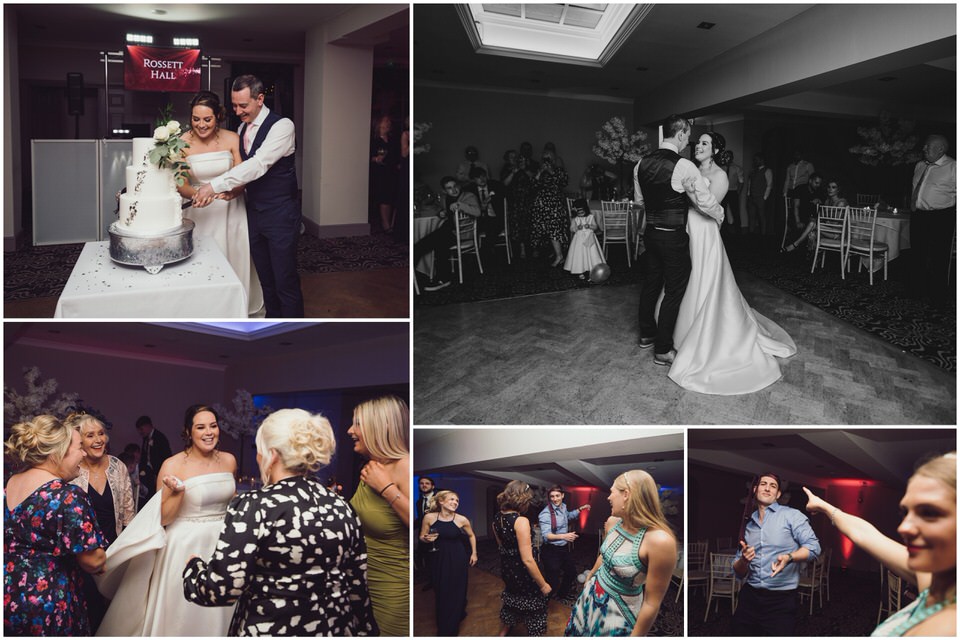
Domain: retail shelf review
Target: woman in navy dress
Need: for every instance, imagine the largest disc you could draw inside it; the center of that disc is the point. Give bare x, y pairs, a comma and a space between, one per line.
450, 532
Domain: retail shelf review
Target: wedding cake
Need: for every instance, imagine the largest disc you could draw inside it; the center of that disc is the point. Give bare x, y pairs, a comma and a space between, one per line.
151, 205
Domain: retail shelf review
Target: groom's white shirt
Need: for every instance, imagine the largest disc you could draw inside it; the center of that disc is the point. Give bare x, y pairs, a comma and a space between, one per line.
704, 201
279, 143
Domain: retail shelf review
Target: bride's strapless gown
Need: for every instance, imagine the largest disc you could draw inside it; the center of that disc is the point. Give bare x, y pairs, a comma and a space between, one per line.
226, 222
145, 565
723, 346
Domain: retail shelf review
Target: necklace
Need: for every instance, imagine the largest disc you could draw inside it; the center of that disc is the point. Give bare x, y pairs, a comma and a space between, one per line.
921, 612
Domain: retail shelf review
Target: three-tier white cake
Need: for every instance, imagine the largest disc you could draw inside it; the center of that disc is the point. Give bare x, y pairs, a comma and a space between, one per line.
151, 205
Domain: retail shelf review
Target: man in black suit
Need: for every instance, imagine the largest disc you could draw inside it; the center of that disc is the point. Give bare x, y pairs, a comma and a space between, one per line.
491, 195
421, 553
153, 451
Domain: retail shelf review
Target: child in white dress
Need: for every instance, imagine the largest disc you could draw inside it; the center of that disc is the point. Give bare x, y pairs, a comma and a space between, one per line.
584, 253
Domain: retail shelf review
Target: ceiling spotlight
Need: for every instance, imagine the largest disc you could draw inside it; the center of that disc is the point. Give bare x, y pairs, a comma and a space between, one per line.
139, 38
706, 25
159, 12
643, 69
186, 42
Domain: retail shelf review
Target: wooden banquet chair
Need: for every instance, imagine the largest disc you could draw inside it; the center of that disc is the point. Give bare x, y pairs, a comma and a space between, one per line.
786, 220
723, 582
812, 582
465, 231
724, 543
503, 238
615, 222
861, 239
677, 577
570, 206
696, 574
831, 235
891, 597
867, 199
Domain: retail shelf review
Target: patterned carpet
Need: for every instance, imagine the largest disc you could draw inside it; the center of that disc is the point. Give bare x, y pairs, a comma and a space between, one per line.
37, 272
926, 330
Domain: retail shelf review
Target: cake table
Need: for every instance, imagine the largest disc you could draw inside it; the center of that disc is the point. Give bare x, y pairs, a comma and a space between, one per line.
203, 286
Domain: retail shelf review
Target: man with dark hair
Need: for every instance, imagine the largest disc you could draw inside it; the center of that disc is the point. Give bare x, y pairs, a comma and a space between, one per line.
421, 553
268, 169
770, 571
491, 195
554, 525
661, 182
154, 449
453, 201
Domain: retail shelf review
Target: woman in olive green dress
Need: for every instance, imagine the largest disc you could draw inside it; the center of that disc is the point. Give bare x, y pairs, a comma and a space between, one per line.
380, 432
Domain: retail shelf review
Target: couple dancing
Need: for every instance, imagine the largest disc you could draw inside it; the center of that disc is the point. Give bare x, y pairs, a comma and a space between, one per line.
245, 196
691, 309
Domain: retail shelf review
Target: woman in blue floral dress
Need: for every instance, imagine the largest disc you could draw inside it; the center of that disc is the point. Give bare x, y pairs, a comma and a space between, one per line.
623, 592
50, 533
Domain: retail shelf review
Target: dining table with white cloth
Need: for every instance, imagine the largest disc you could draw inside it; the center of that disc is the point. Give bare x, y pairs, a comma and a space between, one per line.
203, 285
425, 222
894, 230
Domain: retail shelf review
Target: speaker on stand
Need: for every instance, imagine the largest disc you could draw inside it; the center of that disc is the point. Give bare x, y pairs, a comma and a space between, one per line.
75, 99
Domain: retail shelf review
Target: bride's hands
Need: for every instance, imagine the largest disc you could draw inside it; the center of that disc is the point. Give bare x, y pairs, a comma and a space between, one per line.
689, 184
173, 483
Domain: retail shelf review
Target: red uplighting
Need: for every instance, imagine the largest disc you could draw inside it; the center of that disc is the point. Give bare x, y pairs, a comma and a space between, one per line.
851, 482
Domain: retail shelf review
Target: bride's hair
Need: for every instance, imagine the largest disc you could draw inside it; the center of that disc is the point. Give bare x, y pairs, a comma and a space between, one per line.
212, 101
720, 154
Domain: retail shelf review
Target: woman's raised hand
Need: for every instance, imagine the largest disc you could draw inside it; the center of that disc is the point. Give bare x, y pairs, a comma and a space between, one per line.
815, 504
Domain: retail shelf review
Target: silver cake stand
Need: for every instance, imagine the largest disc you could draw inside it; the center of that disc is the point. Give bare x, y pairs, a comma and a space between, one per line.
152, 252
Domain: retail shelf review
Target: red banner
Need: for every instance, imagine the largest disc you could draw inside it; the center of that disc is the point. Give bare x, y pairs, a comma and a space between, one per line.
156, 69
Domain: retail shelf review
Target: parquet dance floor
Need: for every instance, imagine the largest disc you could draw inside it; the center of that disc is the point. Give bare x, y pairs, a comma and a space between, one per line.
571, 358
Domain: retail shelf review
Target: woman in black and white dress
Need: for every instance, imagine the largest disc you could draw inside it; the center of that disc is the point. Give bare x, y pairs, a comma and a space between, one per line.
291, 554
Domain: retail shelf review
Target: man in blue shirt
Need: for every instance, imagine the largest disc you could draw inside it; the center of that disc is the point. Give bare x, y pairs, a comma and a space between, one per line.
557, 560
777, 538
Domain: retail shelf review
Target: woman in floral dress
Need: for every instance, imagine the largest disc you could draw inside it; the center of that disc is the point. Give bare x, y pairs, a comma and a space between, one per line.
50, 533
622, 594
524, 597
548, 216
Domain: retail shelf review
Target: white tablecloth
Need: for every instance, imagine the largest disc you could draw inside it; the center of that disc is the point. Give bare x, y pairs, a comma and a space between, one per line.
421, 228
202, 286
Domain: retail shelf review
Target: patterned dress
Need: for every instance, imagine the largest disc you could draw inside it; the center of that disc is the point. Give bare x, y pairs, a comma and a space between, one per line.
291, 555
610, 601
521, 599
548, 215
42, 580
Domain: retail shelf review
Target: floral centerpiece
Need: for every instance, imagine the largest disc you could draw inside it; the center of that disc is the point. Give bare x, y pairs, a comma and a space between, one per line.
617, 145
169, 146
40, 399
244, 418
890, 144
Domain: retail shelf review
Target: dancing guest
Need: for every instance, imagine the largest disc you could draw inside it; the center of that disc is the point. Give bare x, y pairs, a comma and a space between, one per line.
385, 170
291, 554
446, 529
145, 564
50, 533
927, 557
103, 477
106, 481
525, 591
549, 220
213, 151
380, 431
624, 589
554, 523
770, 571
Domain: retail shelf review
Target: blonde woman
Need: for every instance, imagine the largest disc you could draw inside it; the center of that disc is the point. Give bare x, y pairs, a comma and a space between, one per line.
927, 557
623, 592
448, 530
292, 538
380, 432
104, 478
50, 533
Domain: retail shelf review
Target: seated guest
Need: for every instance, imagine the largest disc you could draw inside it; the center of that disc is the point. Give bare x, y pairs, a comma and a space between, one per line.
491, 195
291, 555
472, 160
454, 201
835, 195
50, 533
805, 201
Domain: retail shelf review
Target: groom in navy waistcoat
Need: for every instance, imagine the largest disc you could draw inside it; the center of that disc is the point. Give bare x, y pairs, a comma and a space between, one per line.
267, 147
665, 183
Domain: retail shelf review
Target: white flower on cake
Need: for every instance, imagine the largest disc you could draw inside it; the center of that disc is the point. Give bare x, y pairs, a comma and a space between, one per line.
160, 134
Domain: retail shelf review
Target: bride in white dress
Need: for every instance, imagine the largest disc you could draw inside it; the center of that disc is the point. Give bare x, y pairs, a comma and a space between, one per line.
723, 346
212, 152
144, 573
